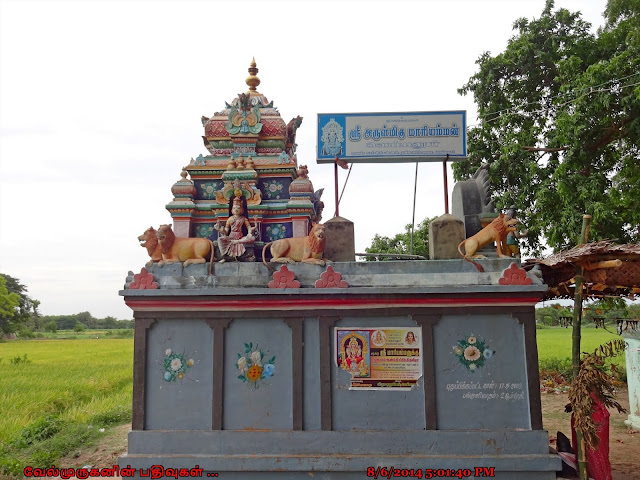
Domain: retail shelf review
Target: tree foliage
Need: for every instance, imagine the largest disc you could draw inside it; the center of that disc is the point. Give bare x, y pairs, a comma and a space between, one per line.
69, 322
51, 326
576, 95
401, 242
550, 315
16, 307
8, 300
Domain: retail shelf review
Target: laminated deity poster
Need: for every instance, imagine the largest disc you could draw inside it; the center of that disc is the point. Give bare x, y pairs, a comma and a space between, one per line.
383, 358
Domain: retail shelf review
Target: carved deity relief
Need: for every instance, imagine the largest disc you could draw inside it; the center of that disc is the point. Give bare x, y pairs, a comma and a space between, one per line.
249, 190
243, 118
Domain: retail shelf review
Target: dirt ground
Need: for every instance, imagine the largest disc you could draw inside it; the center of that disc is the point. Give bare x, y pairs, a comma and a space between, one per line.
624, 445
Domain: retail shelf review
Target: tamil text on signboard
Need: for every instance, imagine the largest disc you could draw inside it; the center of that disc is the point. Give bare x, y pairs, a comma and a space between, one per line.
392, 137
383, 358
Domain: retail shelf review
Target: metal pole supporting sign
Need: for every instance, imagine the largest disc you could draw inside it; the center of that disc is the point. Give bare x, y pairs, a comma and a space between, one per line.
413, 219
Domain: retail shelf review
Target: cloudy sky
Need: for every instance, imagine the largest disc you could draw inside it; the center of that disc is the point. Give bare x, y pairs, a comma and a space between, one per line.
100, 106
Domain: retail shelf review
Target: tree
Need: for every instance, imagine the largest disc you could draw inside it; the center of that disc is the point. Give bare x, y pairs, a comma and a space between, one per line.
633, 311
574, 99
16, 308
551, 314
401, 242
80, 327
9, 302
109, 322
609, 308
51, 326
86, 319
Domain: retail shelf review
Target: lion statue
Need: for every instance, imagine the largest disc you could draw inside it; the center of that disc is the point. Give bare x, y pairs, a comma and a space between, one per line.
184, 249
150, 239
307, 249
496, 231
303, 171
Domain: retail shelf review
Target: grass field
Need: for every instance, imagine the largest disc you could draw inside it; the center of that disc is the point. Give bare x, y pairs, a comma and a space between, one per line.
71, 334
554, 345
58, 394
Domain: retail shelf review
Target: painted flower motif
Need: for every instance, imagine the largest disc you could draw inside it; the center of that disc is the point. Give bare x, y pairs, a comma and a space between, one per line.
273, 188
204, 231
256, 358
176, 364
254, 365
471, 353
209, 189
269, 369
276, 232
254, 373
242, 364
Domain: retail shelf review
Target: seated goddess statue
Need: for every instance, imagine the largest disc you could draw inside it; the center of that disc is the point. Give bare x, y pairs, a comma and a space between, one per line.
231, 238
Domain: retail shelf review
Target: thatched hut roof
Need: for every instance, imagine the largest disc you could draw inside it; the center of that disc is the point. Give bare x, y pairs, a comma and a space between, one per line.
558, 270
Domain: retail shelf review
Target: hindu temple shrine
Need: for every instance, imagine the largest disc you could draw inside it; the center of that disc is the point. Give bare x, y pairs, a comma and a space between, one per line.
319, 368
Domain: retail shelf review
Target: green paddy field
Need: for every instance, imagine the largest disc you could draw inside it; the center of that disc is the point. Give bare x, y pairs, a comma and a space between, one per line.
56, 395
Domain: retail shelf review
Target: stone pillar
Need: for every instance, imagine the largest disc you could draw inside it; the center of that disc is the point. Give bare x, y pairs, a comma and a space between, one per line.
182, 227
341, 245
632, 338
300, 226
445, 234
467, 206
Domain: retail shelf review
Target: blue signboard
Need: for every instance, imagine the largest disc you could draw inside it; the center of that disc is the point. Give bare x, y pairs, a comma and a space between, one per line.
392, 137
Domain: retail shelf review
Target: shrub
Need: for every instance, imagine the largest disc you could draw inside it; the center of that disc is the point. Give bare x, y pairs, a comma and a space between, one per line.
557, 366
51, 326
17, 360
43, 428
115, 416
26, 332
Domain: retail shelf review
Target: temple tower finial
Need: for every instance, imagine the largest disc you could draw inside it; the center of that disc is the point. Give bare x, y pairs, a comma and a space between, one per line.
252, 80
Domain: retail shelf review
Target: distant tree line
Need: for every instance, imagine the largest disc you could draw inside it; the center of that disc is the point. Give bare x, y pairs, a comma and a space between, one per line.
19, 314
69, 322
609, 309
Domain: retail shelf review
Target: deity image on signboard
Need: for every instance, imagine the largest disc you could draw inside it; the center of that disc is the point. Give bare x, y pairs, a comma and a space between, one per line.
332, 138
380, 358
378, 338
411, 338
354, 354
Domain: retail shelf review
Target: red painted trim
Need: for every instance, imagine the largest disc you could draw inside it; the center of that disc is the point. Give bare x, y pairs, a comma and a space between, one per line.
310, 304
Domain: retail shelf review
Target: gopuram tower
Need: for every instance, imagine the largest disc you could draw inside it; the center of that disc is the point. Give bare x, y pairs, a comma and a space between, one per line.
252, 149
